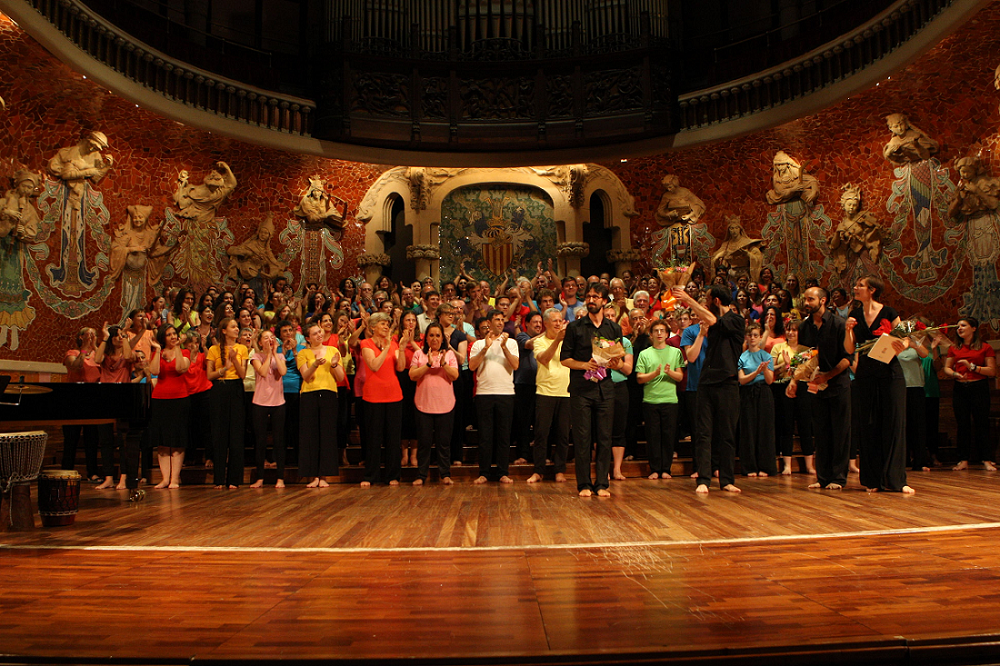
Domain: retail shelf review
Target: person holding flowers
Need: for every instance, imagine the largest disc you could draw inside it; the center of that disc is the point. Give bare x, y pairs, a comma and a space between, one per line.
969, 363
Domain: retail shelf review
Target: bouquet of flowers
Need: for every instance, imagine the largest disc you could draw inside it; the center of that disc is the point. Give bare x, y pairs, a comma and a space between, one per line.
909, 328
604, 351
675, 276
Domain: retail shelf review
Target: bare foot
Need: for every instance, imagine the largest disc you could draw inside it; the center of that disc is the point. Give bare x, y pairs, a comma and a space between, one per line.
109, 483
787, 471
534, 478
990, 467
366, 484
853, 468
233, 487
715, 473
481, 479
604, 492
730, 488
405, 461
618, 476
834, 486
174, 486
259, 483
814, 485
872, 490
811, 471
418, 482
586, 492
394, 483
457, 463
323, 483
219, 487
762, 475
961, 466
121, 486
560, 478
694, 475
447, 481
653, 476
906, 490
520, 461
280, 483
665, 476
313, 484
925, 469
506, 479
162, 484
209, 464
413, 459
629, 458
702, 489
750, 474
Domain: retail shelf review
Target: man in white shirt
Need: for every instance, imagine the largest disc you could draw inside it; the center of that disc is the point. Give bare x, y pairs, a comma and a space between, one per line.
494, 360
431, 301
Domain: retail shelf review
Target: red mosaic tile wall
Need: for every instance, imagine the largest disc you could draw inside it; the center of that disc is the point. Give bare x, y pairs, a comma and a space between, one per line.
948, 93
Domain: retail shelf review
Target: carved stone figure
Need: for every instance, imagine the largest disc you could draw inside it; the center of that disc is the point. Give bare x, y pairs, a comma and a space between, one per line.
789, 181
908, 143
139, 253
975, 193
858, 232
678, 209
976, 205
253, 261
198, 207
79, 167
316, 210
739, 251
19, 224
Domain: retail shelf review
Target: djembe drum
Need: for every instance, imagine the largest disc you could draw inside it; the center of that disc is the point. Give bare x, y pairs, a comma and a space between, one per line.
58, 496
21, 455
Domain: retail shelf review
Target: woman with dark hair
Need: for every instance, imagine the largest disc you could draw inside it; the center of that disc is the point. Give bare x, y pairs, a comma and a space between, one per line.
774, 328
765, 280
315, 304
154, 311
348, 289
340, 339
205, 328
881, 393
756, 300
383, 399
383, 283
224, 310
81, 367
791, 411
269, 406
434, 368
408, 430
182, 313
970, 361
206, 301
225, 297
227, 366
743, 306
199, 391
320, 368
114, 357
170, 407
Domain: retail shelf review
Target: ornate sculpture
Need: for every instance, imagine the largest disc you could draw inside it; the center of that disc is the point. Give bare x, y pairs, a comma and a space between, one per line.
139, 253
19, 223
858, 232
975, 193
79, 167
739, 251
198, 206
789, 181
908, 143
317, 211
679, 208
976, 204
252, 261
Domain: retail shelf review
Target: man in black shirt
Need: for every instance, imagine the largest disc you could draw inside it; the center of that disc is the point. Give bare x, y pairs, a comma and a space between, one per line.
589, 399
831, 412
718, 401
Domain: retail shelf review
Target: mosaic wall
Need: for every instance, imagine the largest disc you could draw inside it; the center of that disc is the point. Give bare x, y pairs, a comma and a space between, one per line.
931, 265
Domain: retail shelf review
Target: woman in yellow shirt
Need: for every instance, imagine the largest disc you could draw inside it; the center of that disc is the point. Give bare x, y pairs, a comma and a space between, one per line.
321, 369
226, 365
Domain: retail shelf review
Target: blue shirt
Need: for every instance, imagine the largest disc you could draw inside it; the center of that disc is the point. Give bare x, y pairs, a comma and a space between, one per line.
616, 376
292, 381
693, 367
569, 313
750, 361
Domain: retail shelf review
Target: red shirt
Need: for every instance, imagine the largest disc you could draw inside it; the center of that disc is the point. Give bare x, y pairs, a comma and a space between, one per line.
170, 384
196, 377
115, 370
89, 373
382, 386
976, 357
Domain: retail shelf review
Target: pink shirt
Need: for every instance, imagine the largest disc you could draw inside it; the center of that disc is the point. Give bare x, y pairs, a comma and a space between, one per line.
115, 370
435, 394
90, 372
269, 390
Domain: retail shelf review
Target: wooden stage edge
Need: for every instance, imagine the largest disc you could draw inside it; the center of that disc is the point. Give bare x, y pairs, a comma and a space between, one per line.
513, 575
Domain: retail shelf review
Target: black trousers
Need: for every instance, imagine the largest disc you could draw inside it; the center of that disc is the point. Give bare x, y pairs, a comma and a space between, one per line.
932, 422
494, 413
718, 413
971, 401
318, 455
464, 410
107, 438
661, 434
633, 419
599, 410
345, 397
620, 425
792, 412
382, 429
551, 418
832, 428
916, 435
434, 431
228, 432
757, 429
882, 438
690, 406
200, 431
292, 420
71, 439
276, 417
524, 418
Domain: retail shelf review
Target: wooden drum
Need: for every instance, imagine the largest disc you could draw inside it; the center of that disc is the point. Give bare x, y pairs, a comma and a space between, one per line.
58, 496
21, 455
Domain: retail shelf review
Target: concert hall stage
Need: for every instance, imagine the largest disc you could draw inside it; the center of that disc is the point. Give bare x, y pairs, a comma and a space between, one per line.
514, 574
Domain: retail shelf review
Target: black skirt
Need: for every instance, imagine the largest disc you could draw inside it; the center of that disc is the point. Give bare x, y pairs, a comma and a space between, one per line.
168, 422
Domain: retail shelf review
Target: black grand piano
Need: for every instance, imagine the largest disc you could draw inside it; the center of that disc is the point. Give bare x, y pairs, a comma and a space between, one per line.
25, 406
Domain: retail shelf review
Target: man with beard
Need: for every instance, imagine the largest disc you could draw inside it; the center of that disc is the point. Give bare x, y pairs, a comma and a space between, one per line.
831, 411
718, 401
591, 401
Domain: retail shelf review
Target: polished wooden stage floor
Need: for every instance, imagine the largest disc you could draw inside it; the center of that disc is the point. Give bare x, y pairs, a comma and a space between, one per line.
515, 573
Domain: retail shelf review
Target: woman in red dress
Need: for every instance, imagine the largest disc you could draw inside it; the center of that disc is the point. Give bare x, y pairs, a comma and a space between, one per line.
170, 406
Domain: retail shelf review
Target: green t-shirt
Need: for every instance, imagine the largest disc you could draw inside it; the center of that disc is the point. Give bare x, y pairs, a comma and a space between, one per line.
663, 389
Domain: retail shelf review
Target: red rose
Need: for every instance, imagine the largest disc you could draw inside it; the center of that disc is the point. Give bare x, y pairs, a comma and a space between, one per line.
921, 326
885, 327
